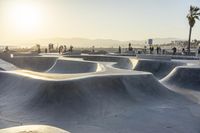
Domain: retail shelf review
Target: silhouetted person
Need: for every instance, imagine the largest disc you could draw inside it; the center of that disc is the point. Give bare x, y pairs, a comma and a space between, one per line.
157, 50
45, 50
50, 47
174, 50
199, 50
6, 49
120, 50
151, 49
93, 49
60, 49
145, 49
71, 48
163, 51
183, 51
130, 47
38, 48
65, 48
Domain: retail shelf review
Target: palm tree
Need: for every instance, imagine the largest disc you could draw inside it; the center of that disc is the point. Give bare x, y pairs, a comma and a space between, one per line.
192, 16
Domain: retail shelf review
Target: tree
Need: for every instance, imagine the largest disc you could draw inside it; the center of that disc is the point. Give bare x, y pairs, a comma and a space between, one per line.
193, 14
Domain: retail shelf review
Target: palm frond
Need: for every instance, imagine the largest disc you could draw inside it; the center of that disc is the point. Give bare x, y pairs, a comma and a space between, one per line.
196, 9
197, 17
191, 8
198, 14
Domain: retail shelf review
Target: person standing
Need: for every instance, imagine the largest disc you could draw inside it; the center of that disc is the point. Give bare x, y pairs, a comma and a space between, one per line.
38, 48
65, 49
145, 49
130, 47
93, 49
183, 51
120, 51
71, 48
151, 49
157, 50
45, 50
174, 50
6, 49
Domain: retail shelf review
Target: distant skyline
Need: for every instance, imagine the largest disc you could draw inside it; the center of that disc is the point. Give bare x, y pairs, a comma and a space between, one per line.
106, 19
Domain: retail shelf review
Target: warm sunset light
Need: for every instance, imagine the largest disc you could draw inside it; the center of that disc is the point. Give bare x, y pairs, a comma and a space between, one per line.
99, 66
91, 19
24, 17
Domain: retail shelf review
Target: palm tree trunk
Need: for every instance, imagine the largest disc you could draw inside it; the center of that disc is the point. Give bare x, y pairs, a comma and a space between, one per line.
189, 41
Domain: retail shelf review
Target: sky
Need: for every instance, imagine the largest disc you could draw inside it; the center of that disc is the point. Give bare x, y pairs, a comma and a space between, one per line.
105, 19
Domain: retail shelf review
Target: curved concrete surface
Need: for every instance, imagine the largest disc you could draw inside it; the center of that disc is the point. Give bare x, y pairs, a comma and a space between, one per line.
120, 62
186, 77
35, 63
159, 68
70, 66
184, 80
107, 101
96, 104
50, 64
7, 66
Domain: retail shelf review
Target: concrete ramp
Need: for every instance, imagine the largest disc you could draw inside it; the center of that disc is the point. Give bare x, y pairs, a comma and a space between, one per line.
7, 66
51, 64
153, 57
72, 95
120, 62
96, 104
158, 68
34, 63
184, 77
73, 66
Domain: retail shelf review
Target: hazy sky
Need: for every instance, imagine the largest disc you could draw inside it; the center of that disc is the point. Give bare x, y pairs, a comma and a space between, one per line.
107, 19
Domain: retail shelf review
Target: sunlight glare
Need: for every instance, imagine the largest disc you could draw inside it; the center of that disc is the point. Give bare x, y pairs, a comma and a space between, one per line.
25, 17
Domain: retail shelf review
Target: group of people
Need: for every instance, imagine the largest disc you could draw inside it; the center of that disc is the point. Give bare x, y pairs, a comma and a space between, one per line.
6, 49
130, 48
61, 49
160, 51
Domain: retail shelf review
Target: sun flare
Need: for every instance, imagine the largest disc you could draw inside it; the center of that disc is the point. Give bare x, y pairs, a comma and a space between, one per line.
24, 17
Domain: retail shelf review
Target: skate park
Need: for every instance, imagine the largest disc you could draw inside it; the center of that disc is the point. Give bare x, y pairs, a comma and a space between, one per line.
99, 93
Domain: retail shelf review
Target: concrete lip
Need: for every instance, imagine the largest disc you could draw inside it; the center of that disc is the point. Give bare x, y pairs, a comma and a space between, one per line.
33, 129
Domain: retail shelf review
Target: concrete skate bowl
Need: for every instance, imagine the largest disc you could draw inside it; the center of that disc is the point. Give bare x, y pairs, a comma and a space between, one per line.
70, 67
183, 77
34, 63
159, 68
96, 104
54, 65
118, 62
